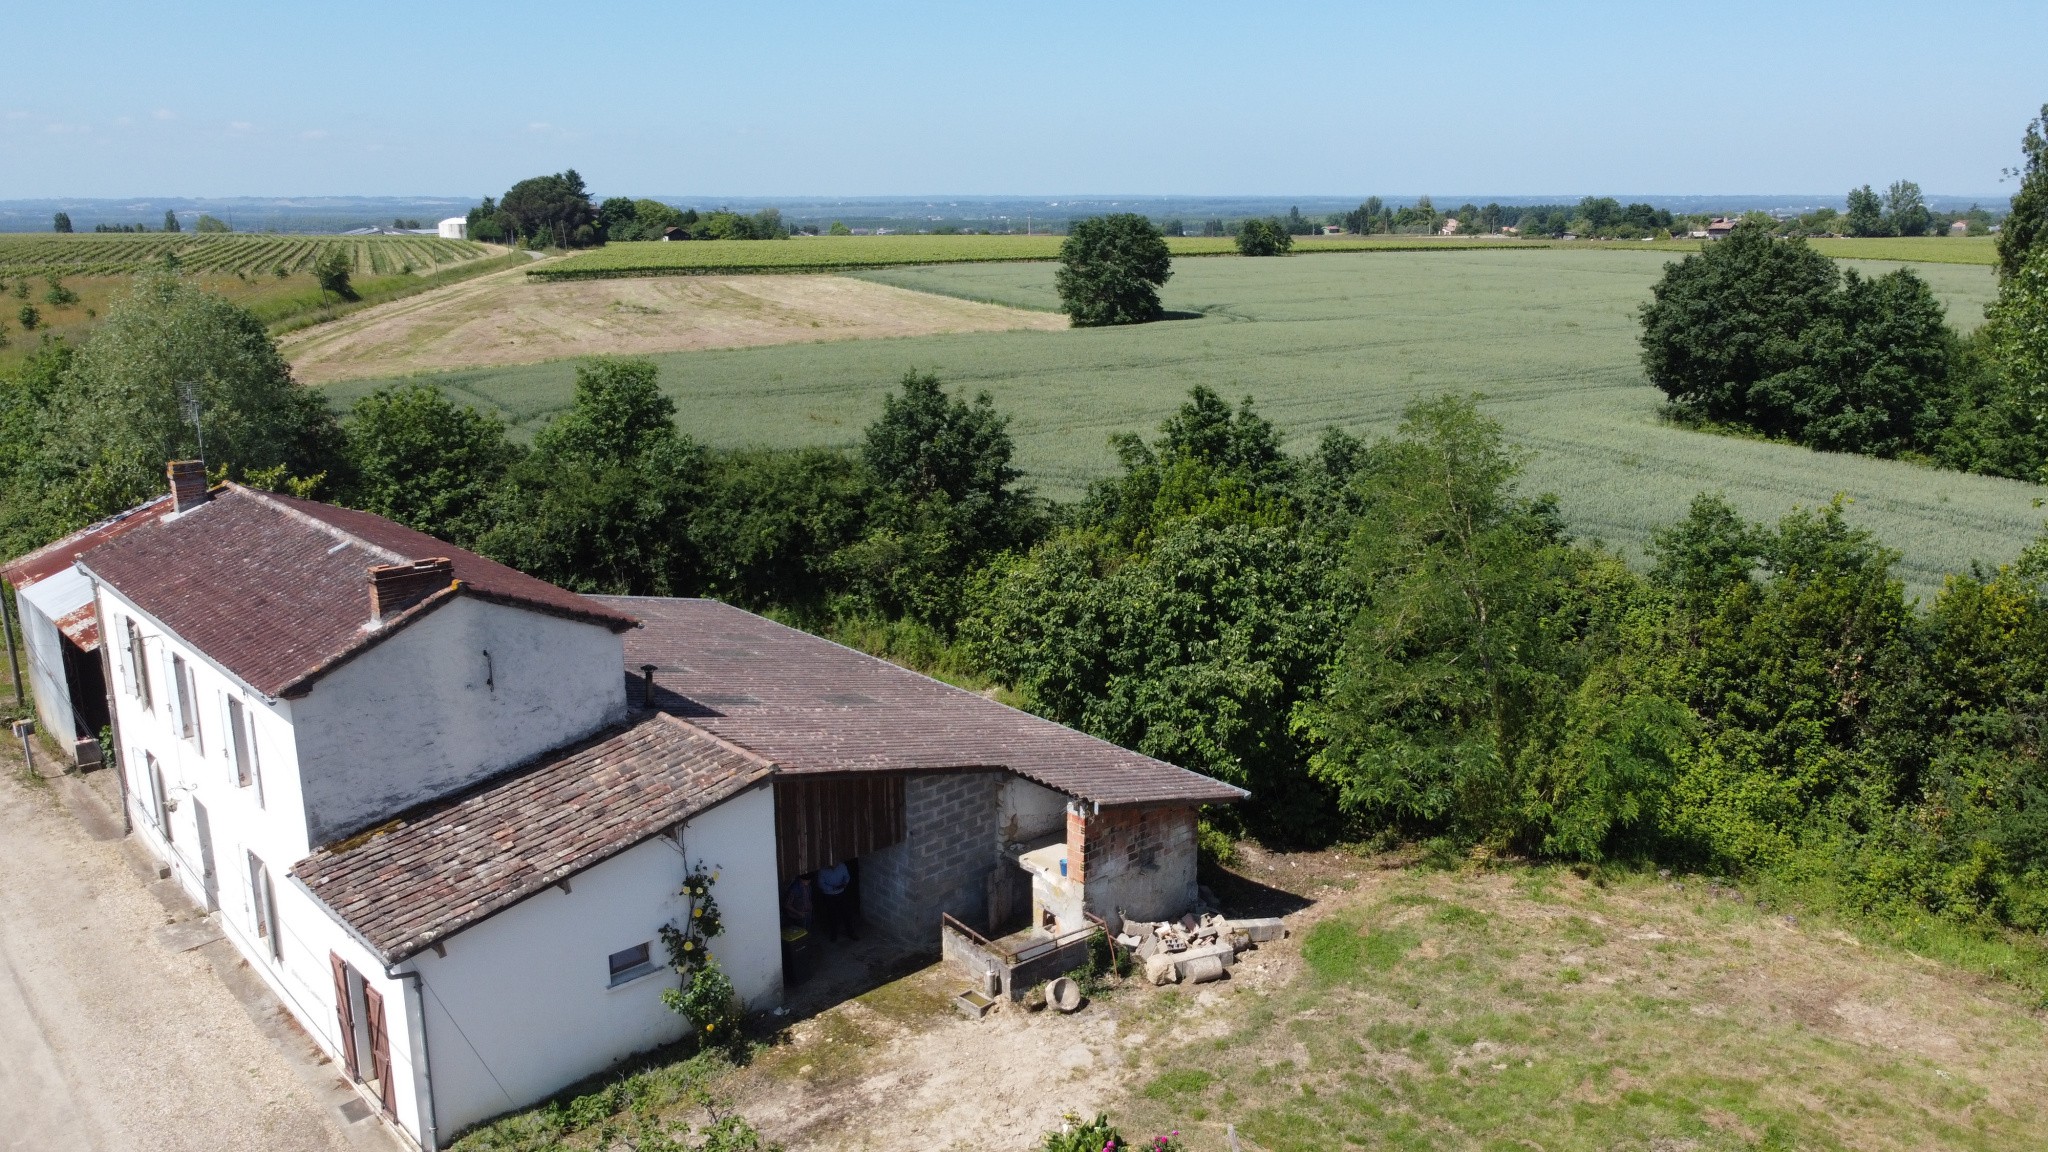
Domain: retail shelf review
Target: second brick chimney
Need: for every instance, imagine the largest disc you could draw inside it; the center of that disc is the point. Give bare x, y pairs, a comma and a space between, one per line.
396, 587
188, 484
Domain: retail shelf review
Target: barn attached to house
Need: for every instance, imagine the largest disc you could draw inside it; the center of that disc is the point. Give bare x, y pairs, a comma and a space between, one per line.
60, 629
445, 809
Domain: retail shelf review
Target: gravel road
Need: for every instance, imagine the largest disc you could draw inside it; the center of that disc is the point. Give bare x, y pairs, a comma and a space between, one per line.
110, 1039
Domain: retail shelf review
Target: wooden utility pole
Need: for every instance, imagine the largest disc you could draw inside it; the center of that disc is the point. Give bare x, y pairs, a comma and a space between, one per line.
7, 629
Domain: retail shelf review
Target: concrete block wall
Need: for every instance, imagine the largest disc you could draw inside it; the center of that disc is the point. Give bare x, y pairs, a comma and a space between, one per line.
950, 834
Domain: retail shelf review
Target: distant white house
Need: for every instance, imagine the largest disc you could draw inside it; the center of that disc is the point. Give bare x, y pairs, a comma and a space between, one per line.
1450, 227
454, 228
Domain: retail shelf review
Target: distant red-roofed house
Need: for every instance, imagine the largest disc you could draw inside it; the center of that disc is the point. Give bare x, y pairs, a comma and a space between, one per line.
444, 809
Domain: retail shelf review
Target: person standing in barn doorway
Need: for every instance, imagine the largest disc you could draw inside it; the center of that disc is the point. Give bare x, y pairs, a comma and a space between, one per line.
835, 902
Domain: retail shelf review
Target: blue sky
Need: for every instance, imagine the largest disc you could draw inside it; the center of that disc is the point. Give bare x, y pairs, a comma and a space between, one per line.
219, 99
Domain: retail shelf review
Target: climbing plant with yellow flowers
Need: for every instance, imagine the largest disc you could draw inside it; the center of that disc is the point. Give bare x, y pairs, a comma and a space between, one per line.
706, 997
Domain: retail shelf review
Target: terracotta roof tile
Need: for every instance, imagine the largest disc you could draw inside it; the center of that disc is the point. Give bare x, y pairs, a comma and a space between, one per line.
813, 706
58, 555
277, 589
457, 861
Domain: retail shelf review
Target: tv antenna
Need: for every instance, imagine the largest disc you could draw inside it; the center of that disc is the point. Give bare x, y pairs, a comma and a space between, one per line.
188, 403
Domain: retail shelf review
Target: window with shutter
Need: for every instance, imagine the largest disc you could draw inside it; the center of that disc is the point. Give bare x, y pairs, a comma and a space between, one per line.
238, 743
138, 667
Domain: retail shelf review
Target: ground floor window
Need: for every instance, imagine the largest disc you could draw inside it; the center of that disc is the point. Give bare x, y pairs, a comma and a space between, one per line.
263, 898
632, 963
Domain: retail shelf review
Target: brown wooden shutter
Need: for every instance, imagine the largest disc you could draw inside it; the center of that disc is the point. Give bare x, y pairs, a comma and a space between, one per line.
380, 1048
345, 1012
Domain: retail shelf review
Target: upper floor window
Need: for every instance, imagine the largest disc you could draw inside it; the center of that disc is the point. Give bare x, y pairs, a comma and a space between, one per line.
242, 747
138, 667
188, 692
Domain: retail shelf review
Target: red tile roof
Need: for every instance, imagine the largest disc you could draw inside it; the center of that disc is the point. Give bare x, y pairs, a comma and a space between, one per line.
813, 706
277, 589
453, 863
58, 555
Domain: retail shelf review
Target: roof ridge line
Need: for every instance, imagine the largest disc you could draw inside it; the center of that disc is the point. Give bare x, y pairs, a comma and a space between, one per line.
721, 741
270, 500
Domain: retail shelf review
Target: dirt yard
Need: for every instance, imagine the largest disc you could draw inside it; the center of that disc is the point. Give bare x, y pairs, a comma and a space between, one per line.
509, 318
1412, 1008
1419, 1009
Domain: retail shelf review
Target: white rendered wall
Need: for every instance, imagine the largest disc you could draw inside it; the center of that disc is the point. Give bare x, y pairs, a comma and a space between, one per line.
1028, 811
261, 818
427, 712
522, 1005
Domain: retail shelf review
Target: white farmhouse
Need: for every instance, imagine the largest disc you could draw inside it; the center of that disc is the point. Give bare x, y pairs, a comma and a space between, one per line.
454, 228
445, 809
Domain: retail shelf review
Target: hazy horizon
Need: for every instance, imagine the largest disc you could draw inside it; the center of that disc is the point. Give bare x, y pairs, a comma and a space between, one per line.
225, 96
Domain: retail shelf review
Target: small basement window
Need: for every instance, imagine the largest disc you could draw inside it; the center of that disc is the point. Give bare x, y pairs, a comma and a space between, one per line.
631, 963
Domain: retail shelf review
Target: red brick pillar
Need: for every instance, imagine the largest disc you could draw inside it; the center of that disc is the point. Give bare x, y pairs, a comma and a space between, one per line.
1077, 844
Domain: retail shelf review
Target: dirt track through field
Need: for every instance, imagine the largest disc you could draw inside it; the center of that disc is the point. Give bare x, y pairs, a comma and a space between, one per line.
509, 318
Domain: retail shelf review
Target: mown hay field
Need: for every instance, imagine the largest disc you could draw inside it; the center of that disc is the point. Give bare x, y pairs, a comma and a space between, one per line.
839, 253
250, 254
1547, 336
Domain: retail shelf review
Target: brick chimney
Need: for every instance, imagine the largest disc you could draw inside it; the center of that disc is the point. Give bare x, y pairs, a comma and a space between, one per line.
188, 484
396, 587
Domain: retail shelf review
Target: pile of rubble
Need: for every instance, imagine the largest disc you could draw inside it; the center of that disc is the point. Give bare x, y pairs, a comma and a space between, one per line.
1197, 948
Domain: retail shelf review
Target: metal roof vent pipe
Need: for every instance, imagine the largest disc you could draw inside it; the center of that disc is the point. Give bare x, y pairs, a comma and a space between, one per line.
188, 484
396, 587
647, 687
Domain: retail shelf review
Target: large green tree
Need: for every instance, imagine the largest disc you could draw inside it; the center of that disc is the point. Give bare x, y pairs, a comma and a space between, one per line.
1766, 334
1263, 238
1905, 210
169, 363
1111, 270
602, 503
1721, 322
556, 207
2026, 225
1865, 216
945, 498
424, 462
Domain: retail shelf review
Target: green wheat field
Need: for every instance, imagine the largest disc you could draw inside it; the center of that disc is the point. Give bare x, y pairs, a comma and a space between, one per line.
1547, 336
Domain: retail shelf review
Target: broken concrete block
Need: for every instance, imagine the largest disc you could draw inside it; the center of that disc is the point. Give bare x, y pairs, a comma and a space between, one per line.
1149, 947
1261, 930
1160, 969
1128, 940
1223, 954
1202, 969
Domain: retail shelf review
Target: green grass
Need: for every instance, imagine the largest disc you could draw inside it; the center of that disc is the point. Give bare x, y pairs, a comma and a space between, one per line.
1695, 1021
1916, 249
254, 254
1548, 336
839, 253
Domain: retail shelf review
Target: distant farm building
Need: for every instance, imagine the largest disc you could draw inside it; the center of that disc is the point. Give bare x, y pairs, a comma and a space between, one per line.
1450, 227
1719, 228
453, 228
1959, 228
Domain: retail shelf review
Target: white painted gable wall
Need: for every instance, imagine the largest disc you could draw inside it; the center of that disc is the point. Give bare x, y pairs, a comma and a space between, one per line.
427, 711
521, 1006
